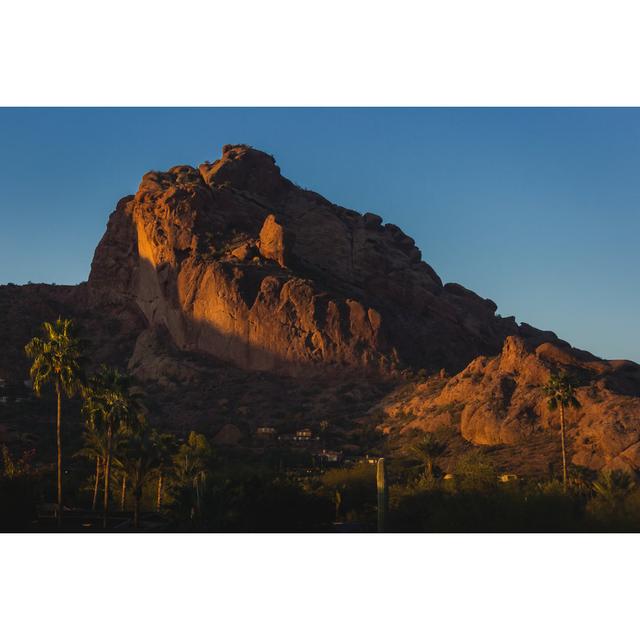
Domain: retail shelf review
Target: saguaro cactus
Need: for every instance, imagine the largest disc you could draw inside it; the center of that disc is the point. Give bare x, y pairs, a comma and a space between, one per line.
383, 495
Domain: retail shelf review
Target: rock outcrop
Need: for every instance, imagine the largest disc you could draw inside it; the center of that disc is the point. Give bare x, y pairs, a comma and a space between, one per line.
274, 243
498, 400
236, 261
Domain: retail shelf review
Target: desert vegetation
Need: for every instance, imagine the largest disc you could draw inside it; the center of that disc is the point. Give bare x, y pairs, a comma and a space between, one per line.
560, 391
122, 473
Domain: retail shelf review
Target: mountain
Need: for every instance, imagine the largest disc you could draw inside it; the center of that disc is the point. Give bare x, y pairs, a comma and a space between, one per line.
239, 297
497, 401
236, 261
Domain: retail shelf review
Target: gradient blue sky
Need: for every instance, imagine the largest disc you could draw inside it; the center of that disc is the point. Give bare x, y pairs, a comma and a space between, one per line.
538, 209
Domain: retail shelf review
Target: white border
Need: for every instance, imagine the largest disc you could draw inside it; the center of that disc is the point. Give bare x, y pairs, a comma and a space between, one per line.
547, 52
335, 52
319, 587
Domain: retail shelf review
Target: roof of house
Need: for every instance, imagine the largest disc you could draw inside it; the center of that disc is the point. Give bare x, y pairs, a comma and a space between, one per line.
229, 434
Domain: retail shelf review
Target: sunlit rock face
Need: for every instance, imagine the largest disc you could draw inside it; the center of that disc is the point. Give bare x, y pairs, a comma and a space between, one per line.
498, 400
236, 261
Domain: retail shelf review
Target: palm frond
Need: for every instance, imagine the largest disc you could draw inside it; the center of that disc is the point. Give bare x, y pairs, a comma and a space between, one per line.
56, 358
560, 390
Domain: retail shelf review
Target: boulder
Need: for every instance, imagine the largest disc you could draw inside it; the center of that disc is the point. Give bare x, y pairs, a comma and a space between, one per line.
274, 242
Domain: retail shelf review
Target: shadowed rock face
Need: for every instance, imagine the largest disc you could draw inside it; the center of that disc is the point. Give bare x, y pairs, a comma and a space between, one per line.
236, 261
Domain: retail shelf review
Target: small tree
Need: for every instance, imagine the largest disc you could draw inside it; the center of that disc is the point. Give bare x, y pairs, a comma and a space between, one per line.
57, 360
613, 488
94, 440
428, 450
614, 503
94, 448
138, 459
191, 465
474, 471
356, 488
560, 391
17, 499
14, 467
117, 404
165, 447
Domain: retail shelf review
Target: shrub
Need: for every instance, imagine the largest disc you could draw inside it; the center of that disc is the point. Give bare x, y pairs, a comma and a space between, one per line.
474, 472
357, 487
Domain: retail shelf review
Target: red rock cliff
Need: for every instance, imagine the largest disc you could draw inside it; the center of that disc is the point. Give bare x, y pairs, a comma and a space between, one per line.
238, 262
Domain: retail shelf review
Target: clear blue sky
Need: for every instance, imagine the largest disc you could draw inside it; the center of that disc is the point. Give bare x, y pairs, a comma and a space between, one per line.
538, 209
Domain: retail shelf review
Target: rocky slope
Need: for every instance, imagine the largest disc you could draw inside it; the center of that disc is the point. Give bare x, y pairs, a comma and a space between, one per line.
497, 401
228, 286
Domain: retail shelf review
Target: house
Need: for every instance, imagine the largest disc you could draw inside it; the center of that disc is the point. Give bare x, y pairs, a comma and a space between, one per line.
266, 432
507, 477
4, 399
354, 459
329, 456
3, 383
304, 434
286, 437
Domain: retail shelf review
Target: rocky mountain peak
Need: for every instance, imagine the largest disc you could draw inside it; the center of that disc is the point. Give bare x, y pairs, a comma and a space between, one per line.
246, 169
236, 261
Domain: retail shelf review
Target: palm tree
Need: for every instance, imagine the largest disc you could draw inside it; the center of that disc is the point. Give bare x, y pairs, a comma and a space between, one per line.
56, 359
123, 489
428, 450
93, 437
95, 446
613, 487
191, 464
165, 444
560, 391
118, 404
138, 459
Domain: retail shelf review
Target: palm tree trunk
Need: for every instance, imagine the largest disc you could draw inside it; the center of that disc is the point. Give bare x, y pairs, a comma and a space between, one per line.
59, 443
96, 484
564, 454
107, 474
159, 495
137, 494
123, 491
138, 481
136, 509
